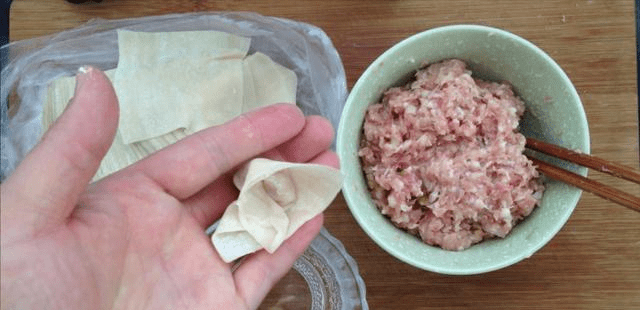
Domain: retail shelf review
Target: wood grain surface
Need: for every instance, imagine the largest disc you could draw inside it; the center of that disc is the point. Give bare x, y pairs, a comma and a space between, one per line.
594, 262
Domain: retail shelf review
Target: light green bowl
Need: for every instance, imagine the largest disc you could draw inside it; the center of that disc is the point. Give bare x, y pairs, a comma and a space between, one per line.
554, 114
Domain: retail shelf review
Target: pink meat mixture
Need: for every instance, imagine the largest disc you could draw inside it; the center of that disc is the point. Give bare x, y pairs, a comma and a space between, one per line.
444, 160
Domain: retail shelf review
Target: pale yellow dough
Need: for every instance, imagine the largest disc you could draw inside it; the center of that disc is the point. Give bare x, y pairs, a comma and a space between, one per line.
171, 80
266, 82
170, 85
119, 155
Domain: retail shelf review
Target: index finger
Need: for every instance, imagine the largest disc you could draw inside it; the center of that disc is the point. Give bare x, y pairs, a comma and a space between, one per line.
189, 165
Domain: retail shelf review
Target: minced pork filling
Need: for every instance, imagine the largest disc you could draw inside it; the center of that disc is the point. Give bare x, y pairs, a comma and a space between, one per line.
444, 160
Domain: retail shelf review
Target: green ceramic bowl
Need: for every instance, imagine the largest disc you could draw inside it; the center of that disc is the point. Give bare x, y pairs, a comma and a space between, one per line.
554, 114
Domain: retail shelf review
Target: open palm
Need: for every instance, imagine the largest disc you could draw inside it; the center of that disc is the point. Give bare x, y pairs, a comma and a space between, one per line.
136, 238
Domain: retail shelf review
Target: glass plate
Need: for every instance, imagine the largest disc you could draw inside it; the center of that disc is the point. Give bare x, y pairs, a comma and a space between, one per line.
324, 277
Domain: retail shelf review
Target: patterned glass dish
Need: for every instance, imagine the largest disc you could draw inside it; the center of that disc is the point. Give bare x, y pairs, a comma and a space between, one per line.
324, 277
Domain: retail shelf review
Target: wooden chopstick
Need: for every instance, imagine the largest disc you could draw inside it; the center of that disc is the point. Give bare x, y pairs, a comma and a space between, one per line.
579, 181
589, 161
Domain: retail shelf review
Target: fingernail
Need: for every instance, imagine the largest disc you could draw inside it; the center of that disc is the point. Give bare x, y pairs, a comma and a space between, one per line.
82, 76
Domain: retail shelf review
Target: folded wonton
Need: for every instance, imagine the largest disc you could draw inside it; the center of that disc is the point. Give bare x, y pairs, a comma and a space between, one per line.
275, 199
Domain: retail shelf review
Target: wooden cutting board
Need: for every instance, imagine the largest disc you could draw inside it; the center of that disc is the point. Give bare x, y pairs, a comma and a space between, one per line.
593, 263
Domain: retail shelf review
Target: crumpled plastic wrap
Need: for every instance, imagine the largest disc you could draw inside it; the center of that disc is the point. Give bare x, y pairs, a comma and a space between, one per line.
31, 64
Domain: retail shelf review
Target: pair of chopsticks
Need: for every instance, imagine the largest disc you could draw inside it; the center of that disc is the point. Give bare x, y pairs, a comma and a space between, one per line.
594, 187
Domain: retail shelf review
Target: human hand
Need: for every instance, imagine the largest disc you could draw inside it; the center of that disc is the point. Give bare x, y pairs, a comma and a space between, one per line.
136, 238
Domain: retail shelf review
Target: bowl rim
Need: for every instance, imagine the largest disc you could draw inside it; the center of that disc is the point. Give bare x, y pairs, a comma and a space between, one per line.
351, 199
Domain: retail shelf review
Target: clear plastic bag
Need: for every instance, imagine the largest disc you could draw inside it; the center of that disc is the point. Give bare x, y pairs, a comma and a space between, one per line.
31, 64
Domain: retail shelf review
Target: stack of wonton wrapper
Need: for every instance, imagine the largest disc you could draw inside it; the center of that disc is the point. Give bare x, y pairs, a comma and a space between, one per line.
172, 84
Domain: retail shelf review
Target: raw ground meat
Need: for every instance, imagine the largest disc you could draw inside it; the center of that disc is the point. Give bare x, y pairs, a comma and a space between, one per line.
444, 160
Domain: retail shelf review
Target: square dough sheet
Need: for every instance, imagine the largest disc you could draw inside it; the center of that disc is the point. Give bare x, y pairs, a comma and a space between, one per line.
266, 82
161, 102
120, 155
165, 79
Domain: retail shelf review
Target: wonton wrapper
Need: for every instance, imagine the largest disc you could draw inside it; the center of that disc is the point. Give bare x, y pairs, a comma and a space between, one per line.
120, 155
245, 84
266, 82
275, 199
165, 78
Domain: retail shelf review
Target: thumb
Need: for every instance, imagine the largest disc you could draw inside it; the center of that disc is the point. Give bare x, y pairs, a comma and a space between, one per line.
45, 187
